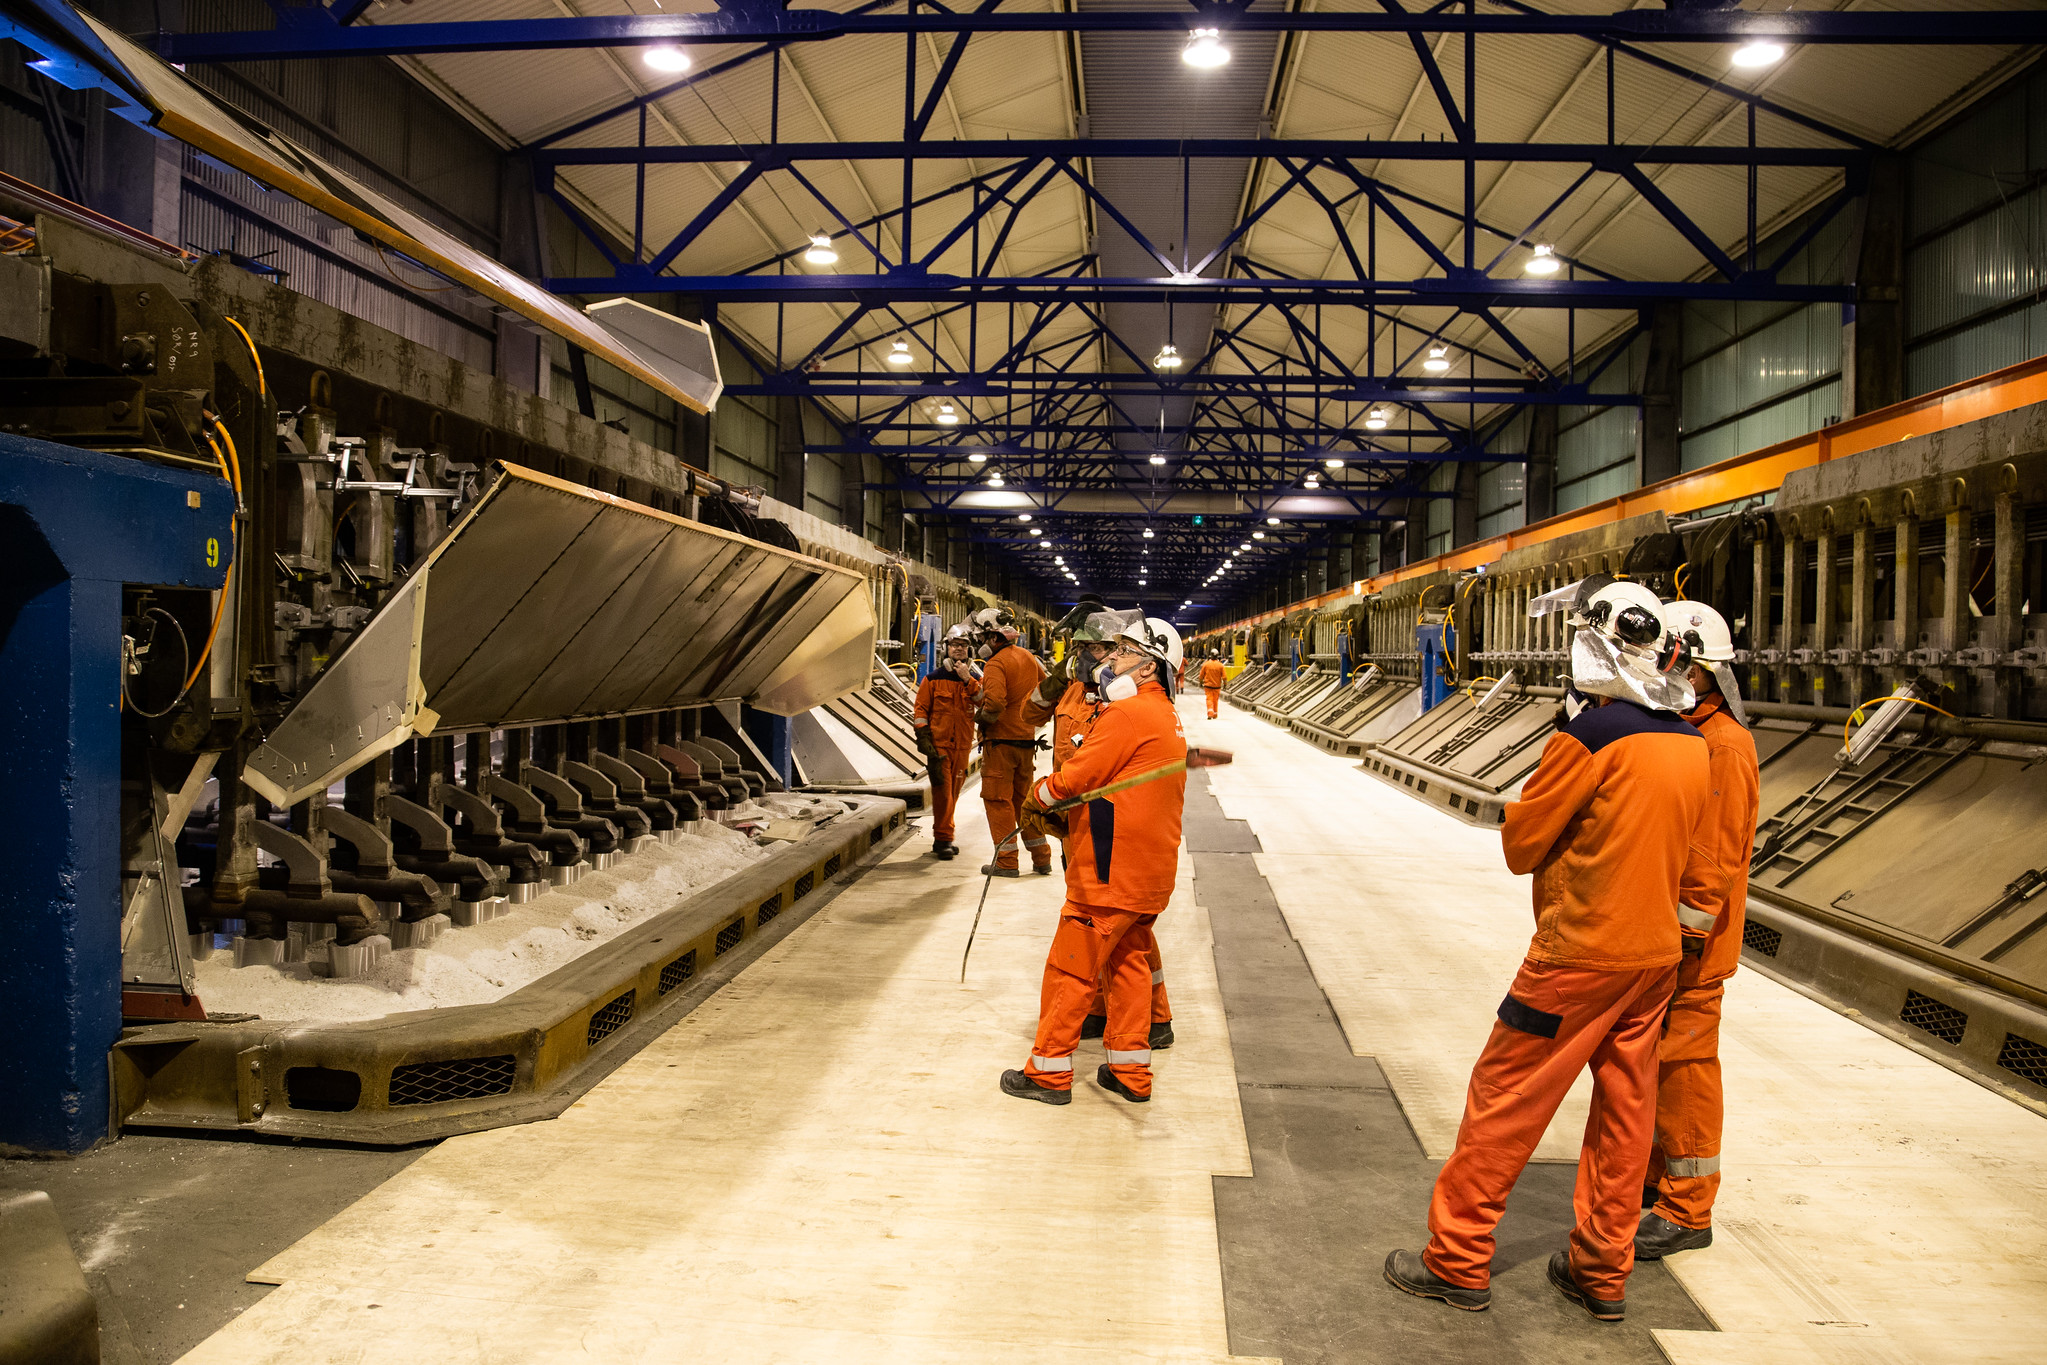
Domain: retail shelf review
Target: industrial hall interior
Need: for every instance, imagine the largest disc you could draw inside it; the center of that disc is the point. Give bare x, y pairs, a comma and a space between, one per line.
1297, 682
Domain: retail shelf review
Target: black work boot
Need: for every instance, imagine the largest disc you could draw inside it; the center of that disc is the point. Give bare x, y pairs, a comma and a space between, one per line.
1024, 1088
1659, 1237
945, 850
1106, 1079
1406, 1272
1094, 1026
997, 870
1606, 1310
1041, 869
1161, 1035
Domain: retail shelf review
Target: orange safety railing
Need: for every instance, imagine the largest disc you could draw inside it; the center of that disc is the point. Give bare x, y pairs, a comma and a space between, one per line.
1743, 476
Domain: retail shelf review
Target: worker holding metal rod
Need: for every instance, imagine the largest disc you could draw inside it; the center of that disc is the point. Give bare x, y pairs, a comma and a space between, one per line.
1069, 700
1123, 857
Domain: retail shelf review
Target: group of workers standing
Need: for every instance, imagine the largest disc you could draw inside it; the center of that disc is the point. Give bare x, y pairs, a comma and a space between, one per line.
1109, 702
1637, 827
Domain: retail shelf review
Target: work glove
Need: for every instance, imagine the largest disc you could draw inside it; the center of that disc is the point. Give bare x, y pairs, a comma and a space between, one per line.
986, 718
1033, 807
926, 745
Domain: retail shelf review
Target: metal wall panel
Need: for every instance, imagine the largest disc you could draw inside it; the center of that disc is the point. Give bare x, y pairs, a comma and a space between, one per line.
1989, 260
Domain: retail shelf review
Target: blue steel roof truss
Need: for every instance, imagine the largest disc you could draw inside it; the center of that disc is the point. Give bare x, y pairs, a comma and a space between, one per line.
1065, 413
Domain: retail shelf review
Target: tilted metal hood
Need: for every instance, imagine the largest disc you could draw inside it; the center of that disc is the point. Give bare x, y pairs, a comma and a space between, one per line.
551, 602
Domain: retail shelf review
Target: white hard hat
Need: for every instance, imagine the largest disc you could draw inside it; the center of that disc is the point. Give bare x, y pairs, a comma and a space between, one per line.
960, 633
1703, 631
1626, 612
1705, 640
1156, 640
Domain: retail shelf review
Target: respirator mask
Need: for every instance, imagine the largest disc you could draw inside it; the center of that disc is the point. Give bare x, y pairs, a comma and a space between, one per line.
1115, 686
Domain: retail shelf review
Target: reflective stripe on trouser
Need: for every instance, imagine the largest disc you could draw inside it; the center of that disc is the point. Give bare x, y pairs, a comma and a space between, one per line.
947, 794
1094, 943
1608, 1021
1161, 1004
1685, 1164
1005, 782
1215, 696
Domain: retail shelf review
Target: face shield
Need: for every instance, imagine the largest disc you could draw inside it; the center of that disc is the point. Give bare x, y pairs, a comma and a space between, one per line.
1730, 690
1604, 667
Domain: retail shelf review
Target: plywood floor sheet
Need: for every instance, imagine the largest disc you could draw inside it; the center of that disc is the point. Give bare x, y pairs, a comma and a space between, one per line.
815, 1165
1876, 1207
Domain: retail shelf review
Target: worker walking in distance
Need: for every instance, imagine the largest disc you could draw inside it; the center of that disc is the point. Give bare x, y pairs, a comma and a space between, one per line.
1009, 742
1684, 1164
1213, 676
1124, 853
944, 721
1606, 824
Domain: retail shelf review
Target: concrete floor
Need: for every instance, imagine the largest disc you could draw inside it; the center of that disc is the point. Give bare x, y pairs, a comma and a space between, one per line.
167, 1227
1341, 1179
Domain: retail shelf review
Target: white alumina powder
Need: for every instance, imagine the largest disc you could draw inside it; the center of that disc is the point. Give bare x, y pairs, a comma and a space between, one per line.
477, 965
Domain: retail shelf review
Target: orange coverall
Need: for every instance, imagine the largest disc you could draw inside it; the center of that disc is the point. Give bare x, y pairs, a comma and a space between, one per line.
1072, 719
1124, 853
1684, 1165
1008, 748
1213, 676
945, 709
1606, 824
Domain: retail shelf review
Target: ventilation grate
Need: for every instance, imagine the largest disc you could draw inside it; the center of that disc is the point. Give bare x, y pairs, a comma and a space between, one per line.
729, 936
466, 1078
770, 908
611, 1018
2023, 1058
1761, 939
804, 883
678, 971
1936, 1017
874, 836
322, 1089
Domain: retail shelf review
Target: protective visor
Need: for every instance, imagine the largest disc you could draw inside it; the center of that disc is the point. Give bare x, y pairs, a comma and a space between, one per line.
1603, 667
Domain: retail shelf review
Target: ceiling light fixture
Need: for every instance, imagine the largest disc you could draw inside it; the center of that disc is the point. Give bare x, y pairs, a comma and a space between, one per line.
1205, 49
1375, 420
1023, 516
1168, 358
821, 252
899, 351
1438, 361
672, 59
1036, 532
946, 416
1312, 481
1332, 464
1753, 56
1272, 521
1147, 533
1543, 262
977, 457
1258, 535
1158, 459
995, 481
1245, 546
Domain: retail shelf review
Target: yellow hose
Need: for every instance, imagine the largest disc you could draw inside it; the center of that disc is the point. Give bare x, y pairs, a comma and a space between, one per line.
262, 384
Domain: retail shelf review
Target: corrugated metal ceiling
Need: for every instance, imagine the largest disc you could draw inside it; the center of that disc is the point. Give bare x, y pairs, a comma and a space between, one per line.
1338, 85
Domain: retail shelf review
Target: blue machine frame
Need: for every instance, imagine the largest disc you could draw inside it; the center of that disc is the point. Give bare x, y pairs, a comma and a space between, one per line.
75, 527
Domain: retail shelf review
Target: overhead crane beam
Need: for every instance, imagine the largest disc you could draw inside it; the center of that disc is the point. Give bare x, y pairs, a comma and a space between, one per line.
313, 33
